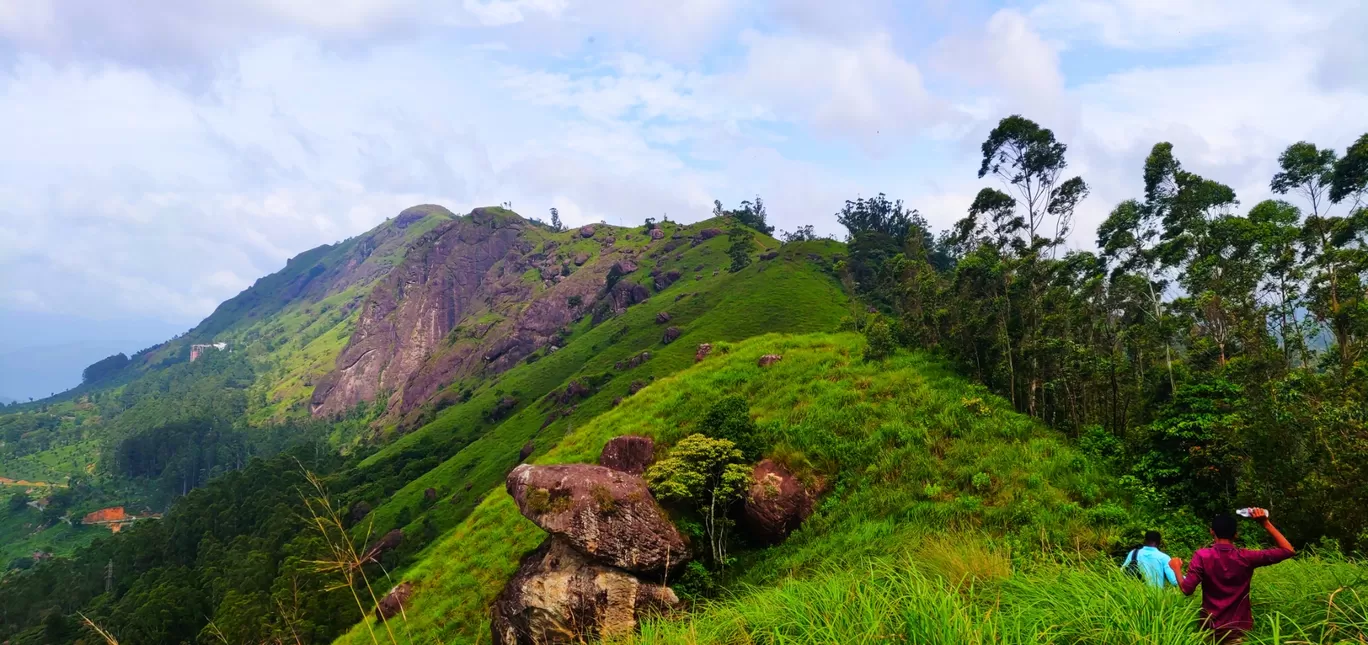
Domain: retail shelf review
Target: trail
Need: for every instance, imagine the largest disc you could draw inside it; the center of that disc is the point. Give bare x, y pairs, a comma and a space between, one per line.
5, 481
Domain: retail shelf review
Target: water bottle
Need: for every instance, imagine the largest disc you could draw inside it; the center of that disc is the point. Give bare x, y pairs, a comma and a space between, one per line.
1245, 512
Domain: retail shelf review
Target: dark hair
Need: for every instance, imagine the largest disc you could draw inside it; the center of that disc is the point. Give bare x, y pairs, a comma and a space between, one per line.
1152, 538
1223, 526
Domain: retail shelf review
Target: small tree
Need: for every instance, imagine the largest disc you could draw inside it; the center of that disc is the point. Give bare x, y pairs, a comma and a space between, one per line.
650, 224
880, 340
742, 245
556, 221
708, 474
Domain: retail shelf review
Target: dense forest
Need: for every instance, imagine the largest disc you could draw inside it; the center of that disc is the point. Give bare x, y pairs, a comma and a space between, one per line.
1214, 354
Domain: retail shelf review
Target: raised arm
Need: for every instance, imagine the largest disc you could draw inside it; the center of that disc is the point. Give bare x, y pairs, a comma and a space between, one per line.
1261, 516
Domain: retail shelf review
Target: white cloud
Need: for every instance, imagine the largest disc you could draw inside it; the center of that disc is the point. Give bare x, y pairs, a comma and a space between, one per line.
1174, 24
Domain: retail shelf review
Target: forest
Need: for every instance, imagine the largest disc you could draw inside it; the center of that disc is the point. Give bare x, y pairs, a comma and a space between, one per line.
1213, 353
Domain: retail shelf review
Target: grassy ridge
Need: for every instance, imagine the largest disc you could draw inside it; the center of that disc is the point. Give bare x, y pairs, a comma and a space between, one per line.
901, 442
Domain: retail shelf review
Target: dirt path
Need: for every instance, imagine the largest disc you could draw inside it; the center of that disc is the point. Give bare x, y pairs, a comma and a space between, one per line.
6, 481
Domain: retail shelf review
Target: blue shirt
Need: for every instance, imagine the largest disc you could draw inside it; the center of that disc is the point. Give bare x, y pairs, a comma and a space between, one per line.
1154, 566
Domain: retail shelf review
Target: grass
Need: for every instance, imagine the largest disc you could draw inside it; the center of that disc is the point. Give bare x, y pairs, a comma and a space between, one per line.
883, 435
1303, 601
789, 293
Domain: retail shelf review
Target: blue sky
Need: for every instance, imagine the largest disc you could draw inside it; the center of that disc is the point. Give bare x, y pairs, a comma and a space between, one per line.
157, 157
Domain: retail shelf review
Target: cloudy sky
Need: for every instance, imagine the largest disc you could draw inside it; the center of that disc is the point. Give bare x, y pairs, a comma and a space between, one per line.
156, 157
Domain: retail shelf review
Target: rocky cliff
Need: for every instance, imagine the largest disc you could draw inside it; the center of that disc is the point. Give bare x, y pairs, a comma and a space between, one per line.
474, 295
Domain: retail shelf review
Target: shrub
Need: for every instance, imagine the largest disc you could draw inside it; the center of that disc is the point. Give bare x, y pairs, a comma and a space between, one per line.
729, 418
880, 341
707, 474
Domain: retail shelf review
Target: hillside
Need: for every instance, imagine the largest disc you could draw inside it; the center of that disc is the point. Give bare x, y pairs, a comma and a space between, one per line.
559, 325
951, 519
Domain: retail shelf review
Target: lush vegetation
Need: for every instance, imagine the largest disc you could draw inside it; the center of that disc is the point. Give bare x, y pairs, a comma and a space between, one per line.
1215, 358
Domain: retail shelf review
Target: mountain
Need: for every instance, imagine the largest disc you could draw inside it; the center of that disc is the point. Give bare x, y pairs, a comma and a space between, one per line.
394, 438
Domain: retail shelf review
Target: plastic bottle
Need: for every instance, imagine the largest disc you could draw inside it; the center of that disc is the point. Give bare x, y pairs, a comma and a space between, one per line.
1245, 512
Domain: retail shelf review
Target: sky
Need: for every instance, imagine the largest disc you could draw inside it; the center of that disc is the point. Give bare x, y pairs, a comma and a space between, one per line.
157, 157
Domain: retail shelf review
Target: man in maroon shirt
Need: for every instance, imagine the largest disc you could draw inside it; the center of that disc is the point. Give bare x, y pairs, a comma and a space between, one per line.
1224, 571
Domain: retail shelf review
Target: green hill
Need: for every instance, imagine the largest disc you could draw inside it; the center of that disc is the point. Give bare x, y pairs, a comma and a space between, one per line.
951, 519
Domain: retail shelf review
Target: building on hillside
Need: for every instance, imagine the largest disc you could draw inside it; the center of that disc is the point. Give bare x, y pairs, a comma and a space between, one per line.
198, 349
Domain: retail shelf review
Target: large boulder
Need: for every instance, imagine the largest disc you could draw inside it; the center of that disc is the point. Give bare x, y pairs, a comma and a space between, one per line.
666, 279
776, 503
628, 453
608, 515
671, 335
703, 350
587, 230
393, 602
559, 596
657, 233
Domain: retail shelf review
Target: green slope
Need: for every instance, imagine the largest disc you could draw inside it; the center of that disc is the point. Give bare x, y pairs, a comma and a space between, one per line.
951, 519
791, 292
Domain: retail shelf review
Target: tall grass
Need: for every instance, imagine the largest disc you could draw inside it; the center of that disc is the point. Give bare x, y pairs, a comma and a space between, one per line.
1303, 601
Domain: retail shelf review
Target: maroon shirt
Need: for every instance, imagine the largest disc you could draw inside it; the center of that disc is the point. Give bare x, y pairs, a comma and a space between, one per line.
1224, 572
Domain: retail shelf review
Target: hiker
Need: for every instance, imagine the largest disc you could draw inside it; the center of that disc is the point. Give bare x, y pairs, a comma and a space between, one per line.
1224, 571
1147, 562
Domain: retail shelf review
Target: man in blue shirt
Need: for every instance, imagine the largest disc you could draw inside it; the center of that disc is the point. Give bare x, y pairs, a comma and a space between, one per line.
1155, 566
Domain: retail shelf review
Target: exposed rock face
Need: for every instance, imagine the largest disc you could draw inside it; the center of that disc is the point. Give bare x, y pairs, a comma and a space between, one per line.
769, 256
777, 503
671, 335
628, 453
709, 233
527, 450
769, 359
625, 266
458, 274
587, 230
560, 596
662, 317
657, 233
393, 602
389, 542
605, 514
703, 350
626, 294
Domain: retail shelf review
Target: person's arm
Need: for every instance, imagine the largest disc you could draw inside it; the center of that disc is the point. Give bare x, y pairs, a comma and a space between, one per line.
1261, 516
1194, 575
1174, 571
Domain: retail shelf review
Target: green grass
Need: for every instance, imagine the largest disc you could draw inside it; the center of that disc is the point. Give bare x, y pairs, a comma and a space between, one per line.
911, 601
900, 443
786, 294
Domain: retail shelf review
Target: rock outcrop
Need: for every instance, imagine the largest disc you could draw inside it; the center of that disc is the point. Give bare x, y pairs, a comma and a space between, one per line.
671, 335
769, 359
393, 602
587, 230
662, 317
703, 350
629, 454
558, 595
605, 514
776, 503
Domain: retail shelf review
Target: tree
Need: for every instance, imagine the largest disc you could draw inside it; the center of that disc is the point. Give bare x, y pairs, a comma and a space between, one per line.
650, 224
104, 368
742, 245
556, 221
709, 475
800, 234
1350, 177
729, 418
1027, 157
1306, 170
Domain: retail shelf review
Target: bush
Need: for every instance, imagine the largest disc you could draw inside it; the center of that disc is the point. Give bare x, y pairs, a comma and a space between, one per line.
729, 419
879, 338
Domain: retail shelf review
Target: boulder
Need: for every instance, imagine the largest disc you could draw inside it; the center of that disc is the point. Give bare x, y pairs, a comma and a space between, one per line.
657, 233
527, 450
609, 516
581, 258
430, 495
769, 359
703, 350
671, 334
625, 266
662, 317
393, 602
666, 279
587, 230
628, 453
769, 256
776, 503
609, 241
709, 233
559, 596
626, 294
360, 510
389, 542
